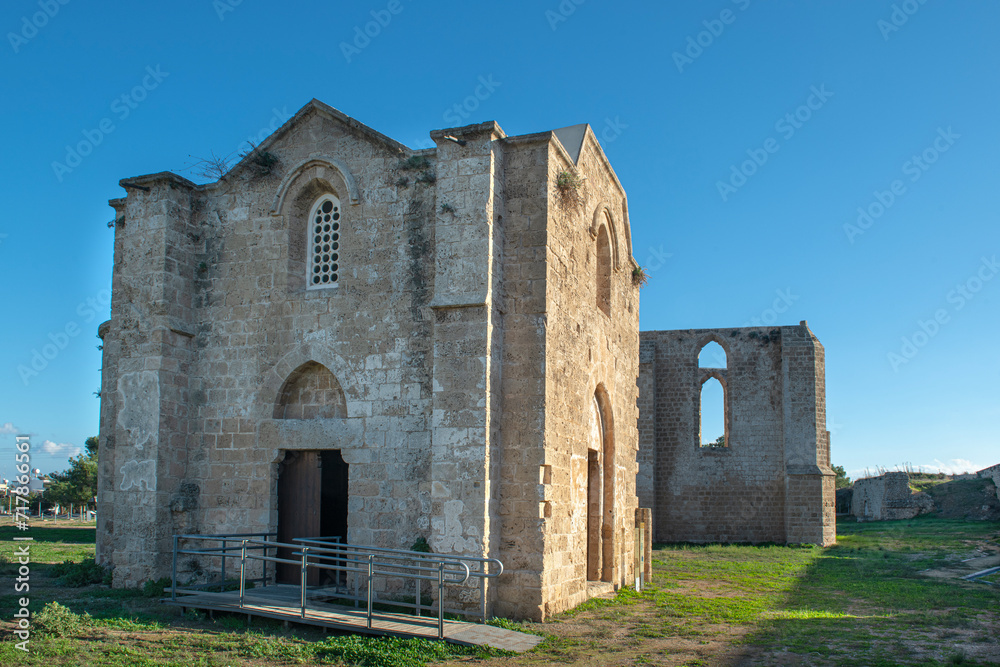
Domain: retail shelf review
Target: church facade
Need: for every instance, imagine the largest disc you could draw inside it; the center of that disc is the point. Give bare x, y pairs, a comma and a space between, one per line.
437, 344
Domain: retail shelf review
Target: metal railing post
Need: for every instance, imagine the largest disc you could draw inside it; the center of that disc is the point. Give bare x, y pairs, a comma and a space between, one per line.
303, 582
222, 586
371, 576
416, 583
243, 571
357, 583
264, 583
482, 591
173, 574
441, 600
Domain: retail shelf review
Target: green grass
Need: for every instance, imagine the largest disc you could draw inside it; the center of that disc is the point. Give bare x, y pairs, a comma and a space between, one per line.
862, 602
920, 481
49, 544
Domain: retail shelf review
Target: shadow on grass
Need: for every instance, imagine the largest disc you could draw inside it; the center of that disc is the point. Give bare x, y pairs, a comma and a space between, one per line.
53, 534
864, 601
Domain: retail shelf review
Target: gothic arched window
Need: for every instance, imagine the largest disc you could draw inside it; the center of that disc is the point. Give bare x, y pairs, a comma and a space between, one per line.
323, 267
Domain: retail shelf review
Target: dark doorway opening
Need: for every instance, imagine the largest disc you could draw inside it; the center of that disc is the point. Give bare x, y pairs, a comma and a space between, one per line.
312, 502
593, 516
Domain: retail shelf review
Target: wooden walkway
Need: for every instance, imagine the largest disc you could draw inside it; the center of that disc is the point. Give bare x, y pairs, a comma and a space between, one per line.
282, 602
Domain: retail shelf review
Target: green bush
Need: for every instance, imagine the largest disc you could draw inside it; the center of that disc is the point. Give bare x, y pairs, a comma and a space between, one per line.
56, 620
155, 589
87, 572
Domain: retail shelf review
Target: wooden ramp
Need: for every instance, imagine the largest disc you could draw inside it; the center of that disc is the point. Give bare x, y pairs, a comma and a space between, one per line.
282, 602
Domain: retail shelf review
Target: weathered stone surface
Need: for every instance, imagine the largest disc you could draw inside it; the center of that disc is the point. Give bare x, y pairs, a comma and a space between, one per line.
993, 473
888, 497
772, 481
483, 321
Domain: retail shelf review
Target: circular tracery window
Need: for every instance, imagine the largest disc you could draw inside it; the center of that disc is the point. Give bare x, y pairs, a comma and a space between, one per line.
324, 233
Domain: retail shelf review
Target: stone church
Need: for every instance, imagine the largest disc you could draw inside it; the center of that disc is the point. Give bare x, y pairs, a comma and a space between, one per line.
344, 336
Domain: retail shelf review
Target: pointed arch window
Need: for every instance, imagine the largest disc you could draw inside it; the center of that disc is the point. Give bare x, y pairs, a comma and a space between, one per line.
713, 396
323, 267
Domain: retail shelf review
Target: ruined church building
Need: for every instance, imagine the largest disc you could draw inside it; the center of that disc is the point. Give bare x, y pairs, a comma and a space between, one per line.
344, 336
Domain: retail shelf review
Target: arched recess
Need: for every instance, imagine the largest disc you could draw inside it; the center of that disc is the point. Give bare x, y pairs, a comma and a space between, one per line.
316, 166
602, 405
281, 372
311, 392
602, 271
299, 200
603, 216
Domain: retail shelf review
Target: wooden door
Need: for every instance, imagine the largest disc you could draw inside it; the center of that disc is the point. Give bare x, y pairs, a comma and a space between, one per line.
299, 500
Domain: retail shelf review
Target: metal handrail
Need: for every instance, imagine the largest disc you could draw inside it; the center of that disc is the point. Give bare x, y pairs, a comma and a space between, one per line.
482, 574
370, 562
219, 537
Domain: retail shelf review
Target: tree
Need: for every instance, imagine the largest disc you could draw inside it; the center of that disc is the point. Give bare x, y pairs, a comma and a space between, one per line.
76, 485
842, 481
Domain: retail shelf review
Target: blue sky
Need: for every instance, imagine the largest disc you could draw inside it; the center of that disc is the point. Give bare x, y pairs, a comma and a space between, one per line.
739, 212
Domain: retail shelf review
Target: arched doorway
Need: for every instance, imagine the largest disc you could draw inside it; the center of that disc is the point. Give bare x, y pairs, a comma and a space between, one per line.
600, 490
312, 484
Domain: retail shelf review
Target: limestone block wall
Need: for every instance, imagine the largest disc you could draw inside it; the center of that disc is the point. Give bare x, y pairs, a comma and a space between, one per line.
993, 472
772, 481
591, 365
454, 365
886, 498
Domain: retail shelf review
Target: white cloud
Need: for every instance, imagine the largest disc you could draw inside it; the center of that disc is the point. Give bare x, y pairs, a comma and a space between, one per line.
60, 449
952, 467
9, 429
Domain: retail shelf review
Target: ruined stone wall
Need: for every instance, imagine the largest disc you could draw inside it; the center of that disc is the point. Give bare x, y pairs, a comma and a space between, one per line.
772, 481
993, 472
887, 498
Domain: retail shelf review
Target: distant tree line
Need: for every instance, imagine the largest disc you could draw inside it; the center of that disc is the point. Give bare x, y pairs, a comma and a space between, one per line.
77, 485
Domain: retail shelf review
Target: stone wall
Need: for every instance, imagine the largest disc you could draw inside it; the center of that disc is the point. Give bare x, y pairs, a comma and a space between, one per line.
455, 365
887, 497
993, 472
772, 480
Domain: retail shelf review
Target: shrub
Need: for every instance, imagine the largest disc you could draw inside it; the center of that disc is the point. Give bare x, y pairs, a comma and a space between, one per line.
415, 162
87, 572
155, 589
56, 620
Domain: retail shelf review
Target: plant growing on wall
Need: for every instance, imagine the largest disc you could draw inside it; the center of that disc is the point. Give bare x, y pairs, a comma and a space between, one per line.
261, 162
568, 185
639, 277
